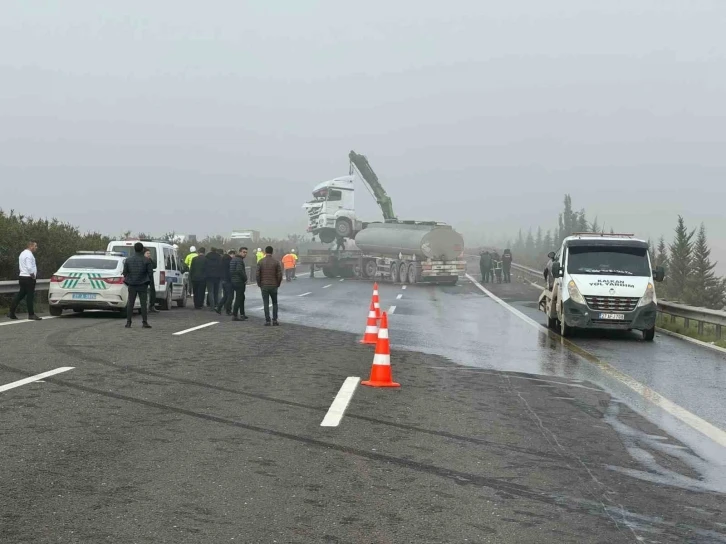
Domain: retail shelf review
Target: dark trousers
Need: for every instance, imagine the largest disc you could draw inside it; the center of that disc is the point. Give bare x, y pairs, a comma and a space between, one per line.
289, 273
152, 295
199, 287
239, 298
213, 292
134, 291
227, 296
486, 275
267, 294
507, 277
27, 292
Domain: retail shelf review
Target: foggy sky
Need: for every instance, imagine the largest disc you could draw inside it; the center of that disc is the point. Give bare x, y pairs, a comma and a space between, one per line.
160, 116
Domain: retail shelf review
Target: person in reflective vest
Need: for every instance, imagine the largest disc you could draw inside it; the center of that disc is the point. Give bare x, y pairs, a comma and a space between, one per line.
260, 254
288, 262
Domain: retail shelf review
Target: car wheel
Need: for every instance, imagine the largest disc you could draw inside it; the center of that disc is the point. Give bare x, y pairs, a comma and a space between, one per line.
649, 334
55, 311
182, 302
166, 302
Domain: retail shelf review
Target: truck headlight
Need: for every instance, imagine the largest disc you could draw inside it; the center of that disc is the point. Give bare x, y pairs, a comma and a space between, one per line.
575, 294
648, 297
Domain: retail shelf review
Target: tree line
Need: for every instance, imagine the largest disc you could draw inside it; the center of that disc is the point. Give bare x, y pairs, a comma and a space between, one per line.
690, 273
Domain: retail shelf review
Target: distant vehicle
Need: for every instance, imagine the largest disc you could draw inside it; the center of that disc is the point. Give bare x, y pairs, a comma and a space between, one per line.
601, 281
244, 236
394, 250
169, 280
89, 280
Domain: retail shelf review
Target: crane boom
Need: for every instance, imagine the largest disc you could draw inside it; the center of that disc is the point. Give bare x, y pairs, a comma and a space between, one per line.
362, 166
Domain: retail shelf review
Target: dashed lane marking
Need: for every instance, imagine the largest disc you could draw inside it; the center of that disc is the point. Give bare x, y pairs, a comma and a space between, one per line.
340, 403
701, 425
391, 310
195, 328
399, 297
35, 378
326, 286
303, 295
404, 287
342, 279
20, 321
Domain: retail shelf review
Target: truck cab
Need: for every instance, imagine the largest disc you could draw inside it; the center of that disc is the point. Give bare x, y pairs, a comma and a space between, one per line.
602, 281
331, 213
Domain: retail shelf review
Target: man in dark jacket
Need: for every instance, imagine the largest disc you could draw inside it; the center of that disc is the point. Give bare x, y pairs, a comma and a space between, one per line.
213, 275
227, 292
269, 279
152, 284
238, 277
485, 266
137, 271
196, 276
507, 265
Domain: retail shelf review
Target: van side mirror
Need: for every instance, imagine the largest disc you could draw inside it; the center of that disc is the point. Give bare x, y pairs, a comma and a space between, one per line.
659, 273
551, 255
556, 270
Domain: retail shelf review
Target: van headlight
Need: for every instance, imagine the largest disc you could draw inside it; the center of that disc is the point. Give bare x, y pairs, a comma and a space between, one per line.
574, 292
648, 297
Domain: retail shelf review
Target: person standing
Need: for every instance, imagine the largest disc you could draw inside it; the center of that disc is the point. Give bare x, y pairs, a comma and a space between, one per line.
507, 265
137, 271
26, 280
199, 282
152, 283
294, 268
188, 263
269, 279
227, 290
485, 266
213, 275
288, 262
238, 276
260, 254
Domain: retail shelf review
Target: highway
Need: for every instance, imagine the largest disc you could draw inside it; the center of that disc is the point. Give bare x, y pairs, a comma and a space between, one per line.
501, 432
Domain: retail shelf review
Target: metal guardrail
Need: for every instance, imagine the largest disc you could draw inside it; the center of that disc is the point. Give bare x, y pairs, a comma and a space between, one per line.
12, 287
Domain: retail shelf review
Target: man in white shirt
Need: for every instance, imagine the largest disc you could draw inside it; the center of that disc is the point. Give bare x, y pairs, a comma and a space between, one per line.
26, 280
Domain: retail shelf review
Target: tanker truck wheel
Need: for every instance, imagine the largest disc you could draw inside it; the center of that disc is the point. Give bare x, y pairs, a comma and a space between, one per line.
369, 269
414, 274
343, 228
327, 236
402, 272
329, 271
393, 274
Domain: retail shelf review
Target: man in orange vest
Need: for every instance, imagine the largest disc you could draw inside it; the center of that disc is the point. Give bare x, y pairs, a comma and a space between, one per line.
288, 262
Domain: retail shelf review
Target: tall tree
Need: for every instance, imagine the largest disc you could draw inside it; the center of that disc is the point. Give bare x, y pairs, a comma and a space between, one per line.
661, 257
681, 257
519, 244
595, 227
539, 244
704, 288
582, 225
529, 248
547, 243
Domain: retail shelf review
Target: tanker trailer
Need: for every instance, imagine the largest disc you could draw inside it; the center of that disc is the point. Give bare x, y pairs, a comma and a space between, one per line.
402, 252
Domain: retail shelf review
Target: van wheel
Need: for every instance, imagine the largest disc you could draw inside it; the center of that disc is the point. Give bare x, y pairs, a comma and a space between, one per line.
182, 302
166, 302
552, 323
649, 334
565, 329
55, 311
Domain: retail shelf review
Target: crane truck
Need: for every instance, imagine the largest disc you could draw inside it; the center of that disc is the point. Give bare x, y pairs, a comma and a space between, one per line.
394, 250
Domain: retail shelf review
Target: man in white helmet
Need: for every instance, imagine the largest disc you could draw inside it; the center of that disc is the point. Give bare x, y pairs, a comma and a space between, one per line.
260, 254
188, 263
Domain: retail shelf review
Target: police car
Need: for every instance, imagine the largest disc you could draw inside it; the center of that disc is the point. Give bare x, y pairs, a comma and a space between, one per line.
89, 280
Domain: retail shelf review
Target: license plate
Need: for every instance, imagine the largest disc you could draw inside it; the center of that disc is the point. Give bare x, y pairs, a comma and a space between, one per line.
616, 317
84, 296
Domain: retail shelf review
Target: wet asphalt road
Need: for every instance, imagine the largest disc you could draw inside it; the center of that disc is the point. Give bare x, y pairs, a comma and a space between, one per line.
214, 436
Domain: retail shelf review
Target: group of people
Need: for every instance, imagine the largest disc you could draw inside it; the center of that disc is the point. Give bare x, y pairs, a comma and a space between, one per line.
494, 268
214, 271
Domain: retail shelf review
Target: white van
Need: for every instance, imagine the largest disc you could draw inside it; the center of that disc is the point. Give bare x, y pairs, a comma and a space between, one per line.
602, 281
169, 274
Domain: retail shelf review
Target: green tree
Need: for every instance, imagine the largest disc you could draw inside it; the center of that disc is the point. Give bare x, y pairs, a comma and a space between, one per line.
582, 224
681, 257
704, 288
547, 243
529, 250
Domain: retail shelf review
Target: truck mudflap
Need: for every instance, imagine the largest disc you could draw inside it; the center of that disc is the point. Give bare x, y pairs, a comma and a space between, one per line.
582, 317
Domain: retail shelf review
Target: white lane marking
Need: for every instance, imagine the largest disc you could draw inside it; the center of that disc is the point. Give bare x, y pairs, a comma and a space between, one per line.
342, 279
195, 328
404, 287
340, 403
20, 321
35, 378
391, 310
689, 418
326, 286
399, 297
303, 295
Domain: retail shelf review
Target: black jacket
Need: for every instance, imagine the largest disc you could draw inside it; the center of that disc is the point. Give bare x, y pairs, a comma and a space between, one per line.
137, 270
226, 260
212, 266
153, 267
196, 270
238, 270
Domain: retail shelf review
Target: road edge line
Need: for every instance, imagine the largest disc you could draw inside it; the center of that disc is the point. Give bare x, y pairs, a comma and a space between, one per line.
692, 340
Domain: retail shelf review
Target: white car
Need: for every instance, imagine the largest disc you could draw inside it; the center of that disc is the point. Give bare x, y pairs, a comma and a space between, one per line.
90, 280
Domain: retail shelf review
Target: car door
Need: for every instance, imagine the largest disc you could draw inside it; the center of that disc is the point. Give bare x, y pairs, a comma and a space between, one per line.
173, 272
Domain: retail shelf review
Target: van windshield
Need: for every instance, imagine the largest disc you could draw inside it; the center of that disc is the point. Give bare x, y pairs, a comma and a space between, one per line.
611, 261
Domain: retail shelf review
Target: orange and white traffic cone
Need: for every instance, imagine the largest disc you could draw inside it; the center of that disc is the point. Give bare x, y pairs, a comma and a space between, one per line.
381, 369
371, 334
376, 301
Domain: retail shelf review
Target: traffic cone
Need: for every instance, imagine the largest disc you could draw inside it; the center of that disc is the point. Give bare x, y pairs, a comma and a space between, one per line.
381, 370
371, 334
376, 301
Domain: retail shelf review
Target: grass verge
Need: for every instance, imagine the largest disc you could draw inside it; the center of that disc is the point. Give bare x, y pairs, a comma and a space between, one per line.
679, 326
